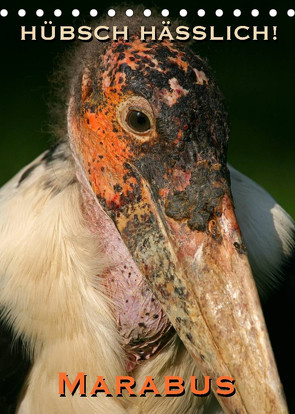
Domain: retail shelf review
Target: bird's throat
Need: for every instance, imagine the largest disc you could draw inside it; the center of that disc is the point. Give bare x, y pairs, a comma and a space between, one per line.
142, 323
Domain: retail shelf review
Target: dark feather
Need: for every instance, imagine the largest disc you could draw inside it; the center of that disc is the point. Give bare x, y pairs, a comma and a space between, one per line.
280, 319
13, 370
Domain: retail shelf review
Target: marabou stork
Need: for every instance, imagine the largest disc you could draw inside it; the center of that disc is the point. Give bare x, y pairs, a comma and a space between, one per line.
120, 252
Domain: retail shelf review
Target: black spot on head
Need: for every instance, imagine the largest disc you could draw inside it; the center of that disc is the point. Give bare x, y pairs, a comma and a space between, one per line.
125, 68
121, 47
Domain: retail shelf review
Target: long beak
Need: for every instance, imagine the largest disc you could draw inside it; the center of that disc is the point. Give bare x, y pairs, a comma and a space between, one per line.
204, 283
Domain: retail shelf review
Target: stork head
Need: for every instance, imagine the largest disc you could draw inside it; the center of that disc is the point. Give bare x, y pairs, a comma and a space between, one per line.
148, 127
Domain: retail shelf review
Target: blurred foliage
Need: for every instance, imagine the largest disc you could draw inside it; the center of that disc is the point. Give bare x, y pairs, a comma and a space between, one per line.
256, 77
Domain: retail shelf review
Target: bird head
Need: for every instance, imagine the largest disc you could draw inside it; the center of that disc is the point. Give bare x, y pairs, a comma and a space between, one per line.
147, 125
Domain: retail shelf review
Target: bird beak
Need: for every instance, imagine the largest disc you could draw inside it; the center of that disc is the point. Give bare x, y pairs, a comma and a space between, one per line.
204, 283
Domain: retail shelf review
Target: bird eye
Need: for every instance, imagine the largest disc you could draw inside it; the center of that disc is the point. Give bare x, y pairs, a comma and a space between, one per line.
137, 118
138, 121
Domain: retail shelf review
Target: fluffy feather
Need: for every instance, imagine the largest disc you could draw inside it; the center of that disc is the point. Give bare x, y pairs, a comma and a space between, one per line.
50, 293
51, 296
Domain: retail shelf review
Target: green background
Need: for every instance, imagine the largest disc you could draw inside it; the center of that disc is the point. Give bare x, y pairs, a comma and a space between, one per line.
257, 79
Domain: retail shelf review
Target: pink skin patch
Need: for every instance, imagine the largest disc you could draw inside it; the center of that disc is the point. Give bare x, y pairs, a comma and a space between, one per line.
180, 179
201, 77
170, 98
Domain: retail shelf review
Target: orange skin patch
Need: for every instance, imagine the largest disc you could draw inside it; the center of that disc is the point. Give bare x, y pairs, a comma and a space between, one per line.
139, 52
104, 146
112, 57
97, 158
